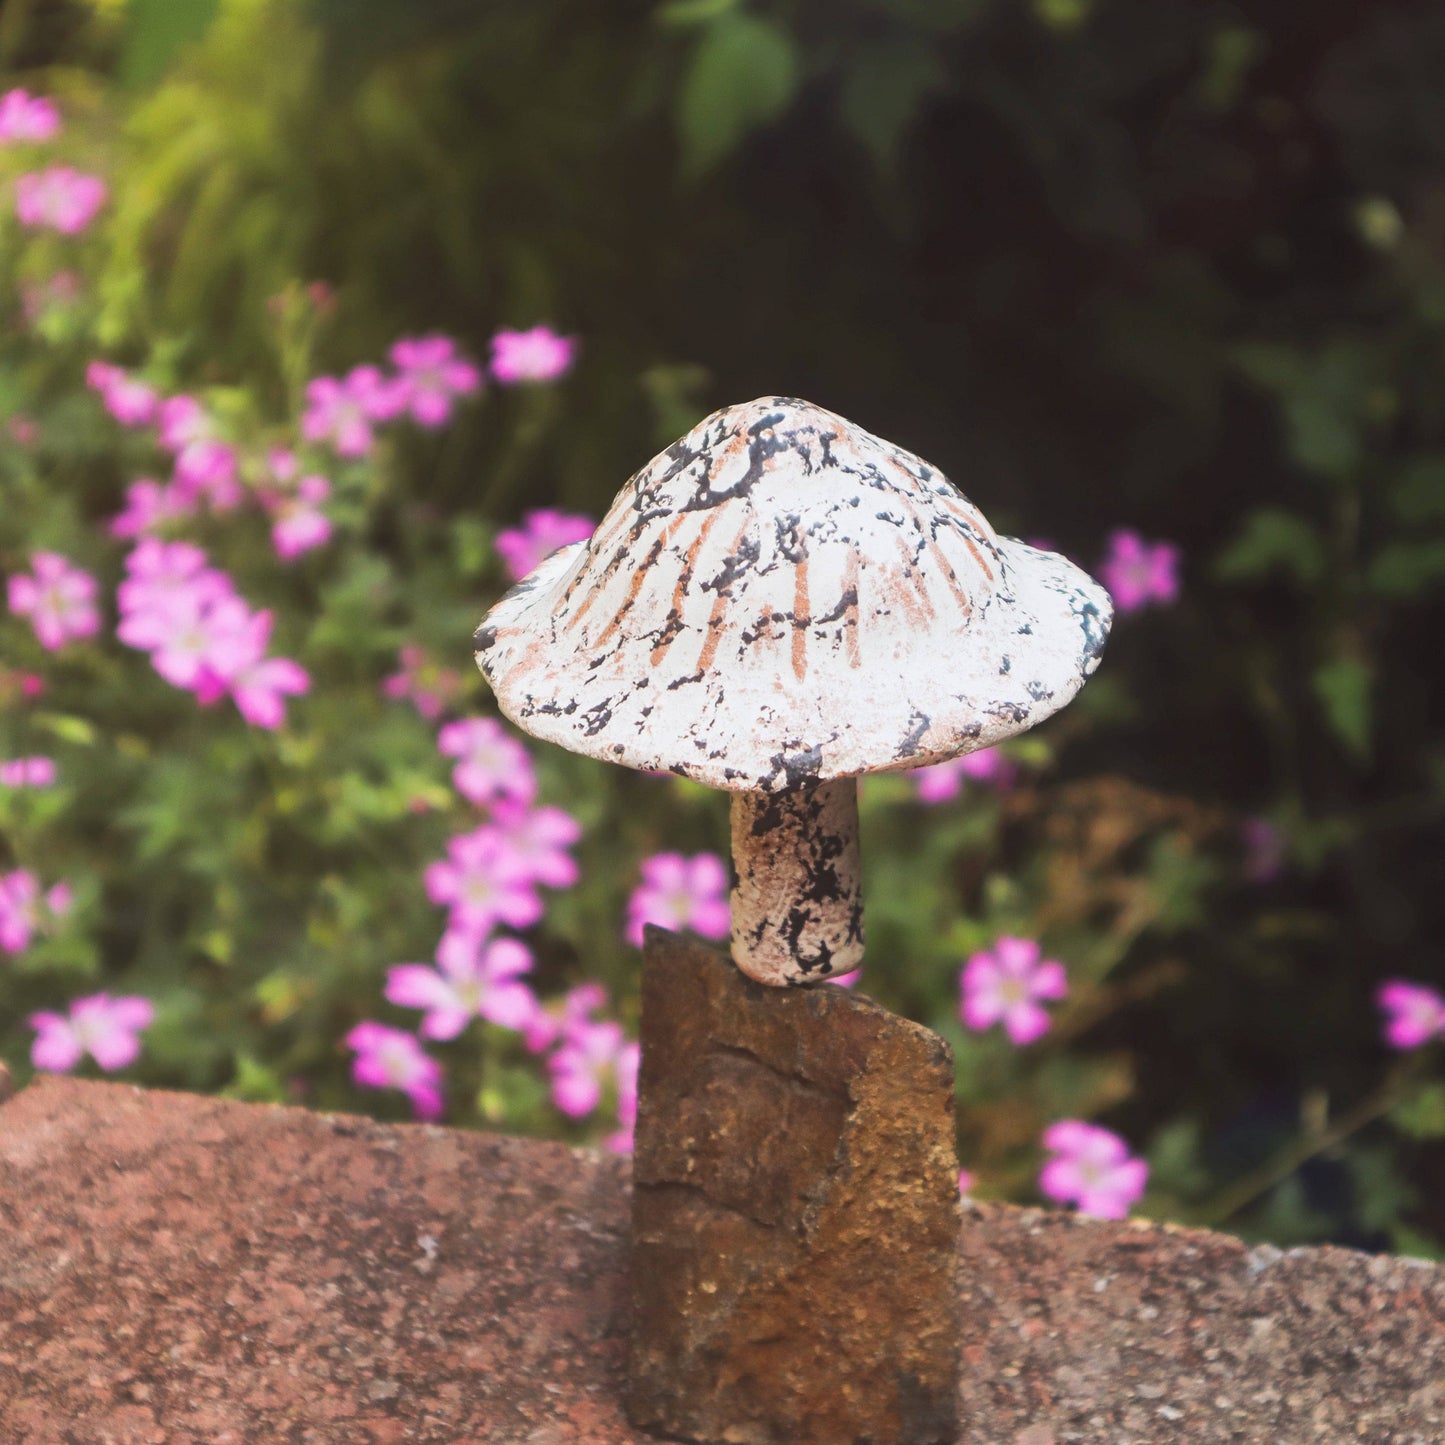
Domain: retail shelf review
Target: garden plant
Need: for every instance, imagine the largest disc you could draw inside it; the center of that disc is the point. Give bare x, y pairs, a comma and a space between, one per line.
319, 334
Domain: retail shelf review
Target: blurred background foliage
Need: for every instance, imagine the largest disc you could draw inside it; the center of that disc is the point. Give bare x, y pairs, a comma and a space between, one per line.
1173, 266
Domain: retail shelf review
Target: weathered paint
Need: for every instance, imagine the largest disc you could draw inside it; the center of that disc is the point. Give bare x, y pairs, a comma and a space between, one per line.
782, 598
778, 602
798, 905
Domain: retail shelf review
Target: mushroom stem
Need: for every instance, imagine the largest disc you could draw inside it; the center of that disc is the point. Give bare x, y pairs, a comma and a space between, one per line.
798, 905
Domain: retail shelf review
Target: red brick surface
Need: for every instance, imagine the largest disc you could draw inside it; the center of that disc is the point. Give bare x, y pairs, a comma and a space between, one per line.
177, 1270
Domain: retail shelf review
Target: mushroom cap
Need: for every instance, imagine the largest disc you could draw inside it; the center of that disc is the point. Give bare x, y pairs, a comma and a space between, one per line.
782, 597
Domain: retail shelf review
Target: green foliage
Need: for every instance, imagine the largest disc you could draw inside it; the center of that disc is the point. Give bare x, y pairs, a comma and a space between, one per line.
883, 92
1325, 400
1179, 274
742, 75
155, 30
1274, 540
1343, 688
1422, 1115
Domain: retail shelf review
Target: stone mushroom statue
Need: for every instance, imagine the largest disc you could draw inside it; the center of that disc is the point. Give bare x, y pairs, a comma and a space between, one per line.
776, 604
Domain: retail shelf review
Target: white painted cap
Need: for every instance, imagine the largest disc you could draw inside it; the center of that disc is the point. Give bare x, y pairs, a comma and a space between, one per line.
781, 597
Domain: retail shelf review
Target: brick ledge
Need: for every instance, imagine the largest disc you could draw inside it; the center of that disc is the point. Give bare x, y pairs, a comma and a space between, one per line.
177, 1270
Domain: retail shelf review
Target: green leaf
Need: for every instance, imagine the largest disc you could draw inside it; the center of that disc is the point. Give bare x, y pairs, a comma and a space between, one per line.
1178, 883
1406, 569
884, 89
1326, 398
1062, 15
1418, 493
1273, 540
1321, 437
1381, 1194
1422, 1115
1175, 1157
675, 393
155, 30
471, 540
1343, 688
512, 1092
1288, 1216
743, 74
1415, 1243
67, 727
1271, 368
255, 1082
1232, 54
693, 12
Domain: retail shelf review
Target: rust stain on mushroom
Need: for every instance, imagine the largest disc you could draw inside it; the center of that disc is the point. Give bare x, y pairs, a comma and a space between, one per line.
728, 662
801, 620
601, 539
679, 593
598, 586
960, 595
638, 578
978, 556
718, 616
907, 590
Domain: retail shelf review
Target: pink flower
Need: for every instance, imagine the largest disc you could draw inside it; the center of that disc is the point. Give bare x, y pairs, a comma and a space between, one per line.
23, 430
298, 523
431, 374
283, 464
554, 1021
130, 401
429, 687
200, 635
535, 355
24, 117
387, 1058
538, 838
198, 641
677, 893
36, 772
59, 199
966, 1181
472, 979
1091, 1168
484, 884
1415, 1014
1138, 573
106, 1028
342, 410
542, 532
205, 465
1006, 984
940, 781
169, 583
183, 421
23, 909
148, 505
625, 1067
581, 1066
258, 684
492, 765
58, 598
